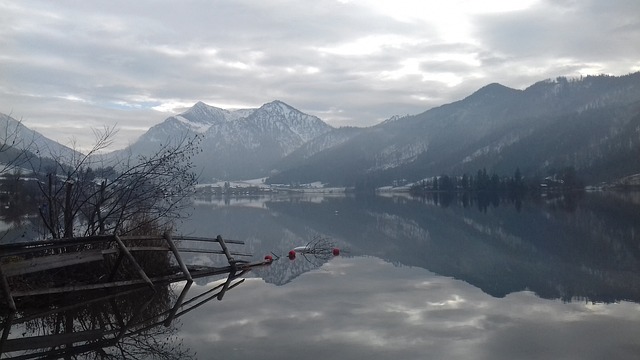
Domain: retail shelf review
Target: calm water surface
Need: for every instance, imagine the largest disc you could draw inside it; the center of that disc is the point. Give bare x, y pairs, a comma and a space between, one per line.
555, 278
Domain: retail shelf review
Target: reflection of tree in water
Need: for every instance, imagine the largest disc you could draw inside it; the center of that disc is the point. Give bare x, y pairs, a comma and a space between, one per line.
483, 201
567, 246
96, 325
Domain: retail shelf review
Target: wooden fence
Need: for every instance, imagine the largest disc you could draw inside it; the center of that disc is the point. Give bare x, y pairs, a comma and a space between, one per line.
118, 272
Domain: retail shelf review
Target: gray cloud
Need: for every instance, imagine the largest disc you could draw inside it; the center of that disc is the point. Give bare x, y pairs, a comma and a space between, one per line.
351, 63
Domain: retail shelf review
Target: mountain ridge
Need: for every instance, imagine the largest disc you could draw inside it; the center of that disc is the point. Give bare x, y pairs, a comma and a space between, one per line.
590, 123
489, 129
21, 138
244, 143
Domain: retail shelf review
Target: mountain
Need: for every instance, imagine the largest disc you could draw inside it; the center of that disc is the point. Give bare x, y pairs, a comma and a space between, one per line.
591, 124
18, 139
236, 144
327, 140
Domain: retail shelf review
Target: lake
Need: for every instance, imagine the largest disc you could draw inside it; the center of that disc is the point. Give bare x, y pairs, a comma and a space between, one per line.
439, 277
418, 278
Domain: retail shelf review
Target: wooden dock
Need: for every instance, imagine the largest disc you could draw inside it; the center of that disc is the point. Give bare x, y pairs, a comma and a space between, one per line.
118, 267
113, 255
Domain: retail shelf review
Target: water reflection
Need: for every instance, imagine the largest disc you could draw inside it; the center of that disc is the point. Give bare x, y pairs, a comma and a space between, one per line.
550, 278
584, 247
104, 325
366, 308
483, 201
135, 323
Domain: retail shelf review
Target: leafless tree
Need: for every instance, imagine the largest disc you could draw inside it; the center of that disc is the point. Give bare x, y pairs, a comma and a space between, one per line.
13, 146
90, 195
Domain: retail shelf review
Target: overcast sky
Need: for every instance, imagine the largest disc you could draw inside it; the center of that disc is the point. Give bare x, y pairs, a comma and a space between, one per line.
68, 66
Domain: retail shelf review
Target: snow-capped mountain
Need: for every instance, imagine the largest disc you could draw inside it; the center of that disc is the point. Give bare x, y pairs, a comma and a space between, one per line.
236, 144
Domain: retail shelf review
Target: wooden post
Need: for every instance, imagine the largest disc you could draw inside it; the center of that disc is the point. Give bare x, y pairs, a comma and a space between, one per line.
232, 263
51, 341
6, 329
225, 287
126, 252
178, 304
223, 245
7, 291
172, 246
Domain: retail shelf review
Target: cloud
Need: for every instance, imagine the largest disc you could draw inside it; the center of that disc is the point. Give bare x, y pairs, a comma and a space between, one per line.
349, 62
356, 308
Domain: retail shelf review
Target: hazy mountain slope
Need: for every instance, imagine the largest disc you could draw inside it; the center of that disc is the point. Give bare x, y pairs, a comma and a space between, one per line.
550, 124
21, 138
328, 140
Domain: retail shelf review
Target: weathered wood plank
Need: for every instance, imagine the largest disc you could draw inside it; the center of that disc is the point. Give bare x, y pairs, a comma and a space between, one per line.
136, 248
114, 284
85, 287
206, 251
205, 239
46, 341
49, 262
204, 272
17, 249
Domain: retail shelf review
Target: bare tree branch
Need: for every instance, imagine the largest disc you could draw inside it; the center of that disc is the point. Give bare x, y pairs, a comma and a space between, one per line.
91, 195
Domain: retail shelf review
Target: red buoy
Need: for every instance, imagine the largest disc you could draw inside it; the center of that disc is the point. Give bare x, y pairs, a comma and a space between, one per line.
268, 258
292, 255
335, 251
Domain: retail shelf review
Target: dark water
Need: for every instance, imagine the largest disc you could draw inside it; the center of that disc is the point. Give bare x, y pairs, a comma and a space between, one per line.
554, 278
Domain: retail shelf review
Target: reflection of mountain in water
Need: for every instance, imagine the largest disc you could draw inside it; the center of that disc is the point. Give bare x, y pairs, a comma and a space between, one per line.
592, 252
559, 248
263, 231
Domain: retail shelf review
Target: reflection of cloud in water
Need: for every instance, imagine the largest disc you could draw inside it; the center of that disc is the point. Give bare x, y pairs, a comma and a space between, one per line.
5, 226
364, 308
